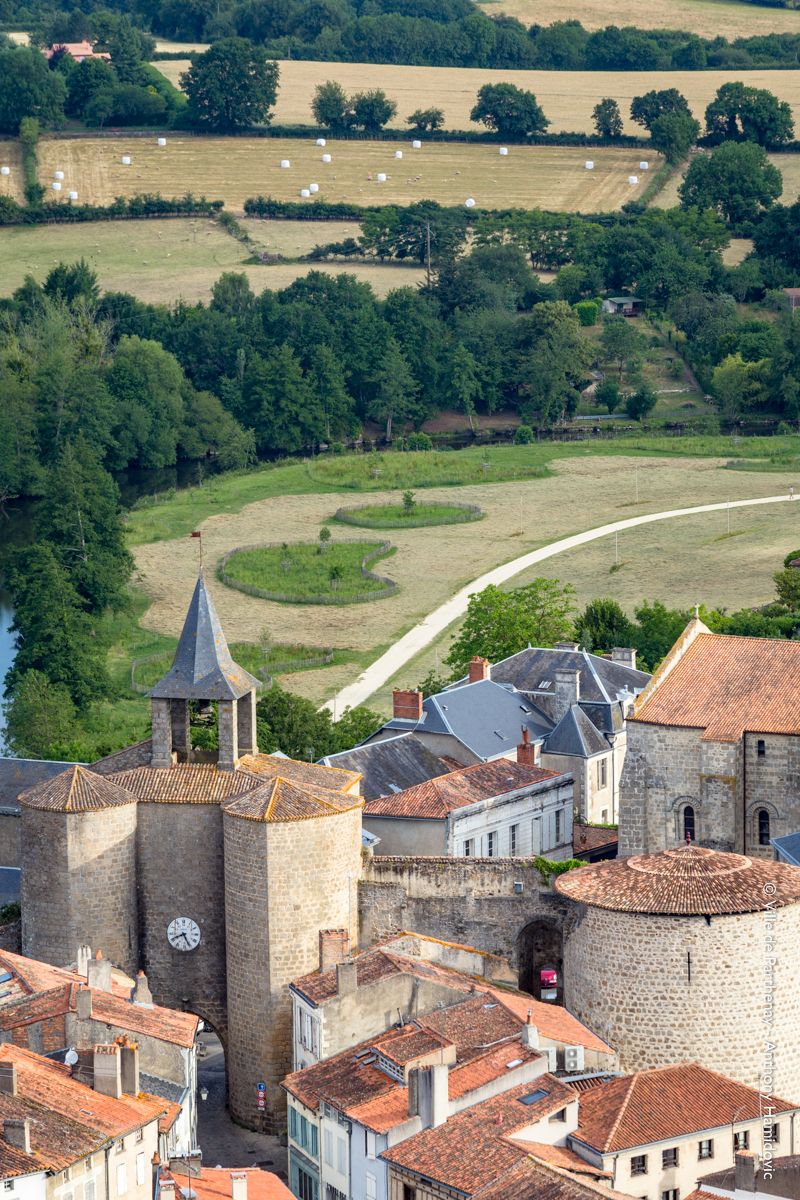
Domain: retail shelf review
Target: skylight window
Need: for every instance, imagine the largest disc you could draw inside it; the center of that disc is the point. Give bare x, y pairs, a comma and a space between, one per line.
515, 1062
534, 1097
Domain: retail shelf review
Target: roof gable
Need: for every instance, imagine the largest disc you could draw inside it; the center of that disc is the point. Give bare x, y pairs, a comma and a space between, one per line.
575, 735
436, 798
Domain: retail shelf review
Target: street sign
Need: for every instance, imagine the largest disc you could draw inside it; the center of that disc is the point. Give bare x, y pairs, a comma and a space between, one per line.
261, 1087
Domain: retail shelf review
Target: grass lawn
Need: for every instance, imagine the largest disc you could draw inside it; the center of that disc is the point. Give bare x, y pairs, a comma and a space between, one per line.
307, 573
162, 261
233, 169
709, 18
397, 516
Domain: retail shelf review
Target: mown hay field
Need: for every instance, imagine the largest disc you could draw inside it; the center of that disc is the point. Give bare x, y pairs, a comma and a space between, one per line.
709, 18
12, 184
232, 169
169, 260
567, 97
679, 562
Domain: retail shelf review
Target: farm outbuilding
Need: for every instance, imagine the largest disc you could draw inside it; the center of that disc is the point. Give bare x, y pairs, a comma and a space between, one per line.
624, 306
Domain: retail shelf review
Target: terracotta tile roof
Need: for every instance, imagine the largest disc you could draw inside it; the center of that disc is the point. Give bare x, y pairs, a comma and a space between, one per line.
666, 1102
471, 1150
726, 685
50, 1083
473, 1024
488, 1066
57, 1140
347, 1079
534, 1180
586, 1082
588, 838
688, 881
281, 800
184, 783
311, 775
371, 966
553, 1022
384, 1112
403, 1046
561, 1156
435, 798
76, 790
214, 1183
163, 1024
169, 1118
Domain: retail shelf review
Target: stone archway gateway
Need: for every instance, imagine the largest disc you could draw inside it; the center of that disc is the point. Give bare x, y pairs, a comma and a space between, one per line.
540, 959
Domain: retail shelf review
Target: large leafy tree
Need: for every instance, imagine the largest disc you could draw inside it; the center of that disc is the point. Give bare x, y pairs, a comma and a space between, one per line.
602, 625
29, 89
232, 86
673, 134
397, 389
607, 118
147, 384
39, 717
331, 106
739, 112
620, 343
509, 110
737, 180
294, 725
280, 404
552, 362
654, 104
500, 623
372, 110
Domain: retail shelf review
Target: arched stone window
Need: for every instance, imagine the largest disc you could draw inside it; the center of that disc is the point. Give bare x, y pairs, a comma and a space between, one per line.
762, 817
687, 821
684, 820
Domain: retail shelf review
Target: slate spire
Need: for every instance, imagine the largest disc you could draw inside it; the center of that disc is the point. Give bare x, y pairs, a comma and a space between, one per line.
203, 668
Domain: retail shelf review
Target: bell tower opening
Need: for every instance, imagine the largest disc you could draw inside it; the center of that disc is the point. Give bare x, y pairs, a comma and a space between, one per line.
203, 671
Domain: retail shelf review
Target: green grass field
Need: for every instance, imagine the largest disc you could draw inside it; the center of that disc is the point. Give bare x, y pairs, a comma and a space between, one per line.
308, 573
253, 658
398, 516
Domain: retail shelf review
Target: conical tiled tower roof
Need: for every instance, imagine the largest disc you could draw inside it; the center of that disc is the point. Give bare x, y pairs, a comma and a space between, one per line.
286, 800
203, 668
74, 791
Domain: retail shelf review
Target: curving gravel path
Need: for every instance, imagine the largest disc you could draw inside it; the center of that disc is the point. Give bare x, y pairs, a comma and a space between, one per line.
389, 663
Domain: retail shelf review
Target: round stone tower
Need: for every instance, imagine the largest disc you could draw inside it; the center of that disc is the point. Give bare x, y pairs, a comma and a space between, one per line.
292, 864
79, 869
689, 954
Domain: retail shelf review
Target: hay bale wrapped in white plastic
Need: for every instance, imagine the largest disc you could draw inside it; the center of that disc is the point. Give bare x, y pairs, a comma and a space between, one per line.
469, 202
58, 174
589, 164
73, 195
126, 160
285, 164
644, 166
381, 178
417, 144
326, 158
5, 170
305, 193
503, 151
161, 141
321, 142
56, 185
313, 188
398, 153
633, 180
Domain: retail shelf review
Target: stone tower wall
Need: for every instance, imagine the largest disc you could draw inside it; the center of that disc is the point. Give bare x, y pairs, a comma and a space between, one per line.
284, 881
673, 989
180, 855
79, 884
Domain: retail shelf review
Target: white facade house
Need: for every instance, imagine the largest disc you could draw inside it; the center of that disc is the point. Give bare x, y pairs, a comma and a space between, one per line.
521, 824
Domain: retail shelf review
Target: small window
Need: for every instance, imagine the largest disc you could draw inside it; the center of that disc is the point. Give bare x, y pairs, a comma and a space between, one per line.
561, 1115
293, 1123
67, 1175
8, 1185
512, 841
638, 1164
705, 1148
689, 829
306, 1185
763, 827
604, 816
761, 748
741, 1140
669, 1158
313, 1149
369, 1147
139, 1135
120, 1145
773, 1135
559, 818
89, 1190
671, 1194
602, 773
491, 844
469, 848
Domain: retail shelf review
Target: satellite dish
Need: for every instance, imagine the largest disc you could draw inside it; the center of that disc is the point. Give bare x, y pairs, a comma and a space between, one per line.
71, 1057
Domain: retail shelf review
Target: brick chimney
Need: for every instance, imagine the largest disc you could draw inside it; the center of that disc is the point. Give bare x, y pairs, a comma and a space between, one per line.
83, 1004
334, 947
141, 993
346, 978
98, 974
746, 1166
107, 1072
624, 655
567, 690
428, 1096
8, 1078
238, 1185
406, 705
129, 1068
479, 668
18, 1133
528, 752
530, 1034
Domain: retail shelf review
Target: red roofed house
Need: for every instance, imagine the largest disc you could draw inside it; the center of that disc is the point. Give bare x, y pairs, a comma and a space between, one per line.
221, 1183
714, 747
77, 50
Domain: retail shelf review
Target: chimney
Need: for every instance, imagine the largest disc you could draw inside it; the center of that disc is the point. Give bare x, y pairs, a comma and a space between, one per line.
567, 690
433, 1102
107, 1074
624, 655
238, 1185
141, 993
567, 646
84, 954
746, 1165
334, 947
167, 1189
8, 1078
98, 974
346, 978
479, 668
528, 752
18, 1133
83, 1004
530, 1034
407, 706
413, 1092
129, 1069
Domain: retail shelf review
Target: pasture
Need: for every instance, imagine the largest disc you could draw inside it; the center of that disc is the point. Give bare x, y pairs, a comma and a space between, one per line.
12, 184
168, 260
232, 169
567, 97
709, 18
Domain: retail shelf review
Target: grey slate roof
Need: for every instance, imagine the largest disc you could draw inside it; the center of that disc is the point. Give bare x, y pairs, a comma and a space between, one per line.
203, 668
165, 1088
601, 679
575, 735
389, 766
787, 848
19, 774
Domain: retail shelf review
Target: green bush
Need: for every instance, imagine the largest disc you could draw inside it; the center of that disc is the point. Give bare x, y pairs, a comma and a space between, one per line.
523, 435
418, 441
790, 557
588, 311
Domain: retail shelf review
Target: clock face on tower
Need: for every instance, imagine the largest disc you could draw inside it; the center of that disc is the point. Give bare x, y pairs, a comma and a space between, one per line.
183, 934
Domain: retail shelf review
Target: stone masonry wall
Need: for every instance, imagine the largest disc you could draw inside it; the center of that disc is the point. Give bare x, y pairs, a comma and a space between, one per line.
671, 989
772, 782
284, 881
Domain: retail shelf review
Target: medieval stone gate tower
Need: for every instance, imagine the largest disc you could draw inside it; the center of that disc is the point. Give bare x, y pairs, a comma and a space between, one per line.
214, 873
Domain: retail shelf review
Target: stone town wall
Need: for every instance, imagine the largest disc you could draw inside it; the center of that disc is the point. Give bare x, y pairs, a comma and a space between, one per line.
665, 989
661, 765
10, 836
284, 881
79, 884
11, 937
